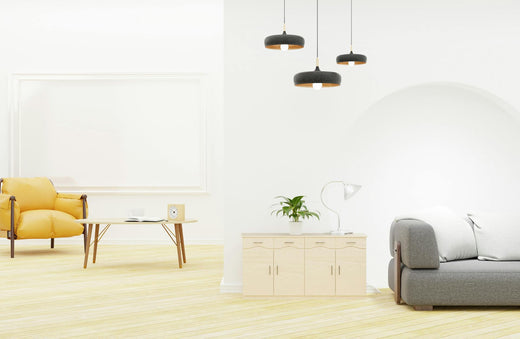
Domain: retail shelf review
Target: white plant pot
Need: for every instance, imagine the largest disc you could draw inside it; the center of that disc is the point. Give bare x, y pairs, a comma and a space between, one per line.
295, 227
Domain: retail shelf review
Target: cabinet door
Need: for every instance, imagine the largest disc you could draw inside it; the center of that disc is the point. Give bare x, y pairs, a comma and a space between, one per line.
257, 270
351, 269
289, 268
319, 267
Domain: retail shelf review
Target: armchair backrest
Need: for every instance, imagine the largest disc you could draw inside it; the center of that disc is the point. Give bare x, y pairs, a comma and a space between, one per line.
31, 193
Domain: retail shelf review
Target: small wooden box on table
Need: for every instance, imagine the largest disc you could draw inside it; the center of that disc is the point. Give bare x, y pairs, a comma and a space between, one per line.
309, 264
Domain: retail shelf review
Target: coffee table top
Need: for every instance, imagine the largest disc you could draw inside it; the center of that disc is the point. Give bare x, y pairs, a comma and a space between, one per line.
113, 221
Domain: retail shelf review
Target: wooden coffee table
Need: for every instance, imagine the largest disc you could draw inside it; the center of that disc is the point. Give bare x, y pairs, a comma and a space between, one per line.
177, 236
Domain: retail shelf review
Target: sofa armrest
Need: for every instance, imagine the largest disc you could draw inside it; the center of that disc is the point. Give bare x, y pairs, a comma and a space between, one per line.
73, 204
418, 243
6, 202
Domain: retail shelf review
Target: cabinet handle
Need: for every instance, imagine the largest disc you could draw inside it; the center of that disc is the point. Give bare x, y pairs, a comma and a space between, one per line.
276, 269
351, 242
331, 269
320, 242
288, 242
339, 270
258, 242
269, 269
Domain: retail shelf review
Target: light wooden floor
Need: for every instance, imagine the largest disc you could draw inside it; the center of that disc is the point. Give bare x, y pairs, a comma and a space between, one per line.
139, 292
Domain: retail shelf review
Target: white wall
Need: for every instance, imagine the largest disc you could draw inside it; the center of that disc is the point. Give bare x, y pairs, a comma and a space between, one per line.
431, 119
115, 36
442, 72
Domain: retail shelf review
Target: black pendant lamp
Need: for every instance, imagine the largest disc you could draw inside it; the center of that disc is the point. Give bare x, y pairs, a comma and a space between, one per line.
317, 78
351, 58
284, 41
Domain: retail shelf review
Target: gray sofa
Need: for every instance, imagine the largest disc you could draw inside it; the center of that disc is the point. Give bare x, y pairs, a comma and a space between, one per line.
418, 278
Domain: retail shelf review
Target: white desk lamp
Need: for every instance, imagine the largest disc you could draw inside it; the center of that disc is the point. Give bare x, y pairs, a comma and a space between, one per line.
349, 190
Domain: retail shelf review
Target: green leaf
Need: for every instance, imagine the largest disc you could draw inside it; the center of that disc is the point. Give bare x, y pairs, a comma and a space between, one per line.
294, 208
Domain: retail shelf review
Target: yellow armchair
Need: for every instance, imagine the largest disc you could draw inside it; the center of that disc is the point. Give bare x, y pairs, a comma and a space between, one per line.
30, 208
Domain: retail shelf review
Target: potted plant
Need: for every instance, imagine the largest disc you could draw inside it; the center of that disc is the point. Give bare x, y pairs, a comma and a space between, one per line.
296, 210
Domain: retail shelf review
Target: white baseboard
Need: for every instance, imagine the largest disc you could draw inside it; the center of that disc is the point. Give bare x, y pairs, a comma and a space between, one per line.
237, 288
230, 288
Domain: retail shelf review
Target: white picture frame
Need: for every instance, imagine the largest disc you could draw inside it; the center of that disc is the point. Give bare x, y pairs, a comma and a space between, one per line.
57, 94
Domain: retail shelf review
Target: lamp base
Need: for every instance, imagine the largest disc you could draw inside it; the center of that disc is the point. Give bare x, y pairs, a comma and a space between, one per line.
340, 232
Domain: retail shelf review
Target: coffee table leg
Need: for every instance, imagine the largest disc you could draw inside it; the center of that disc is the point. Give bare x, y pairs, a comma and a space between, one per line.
96, 239
182, 244
178, 243
89, 236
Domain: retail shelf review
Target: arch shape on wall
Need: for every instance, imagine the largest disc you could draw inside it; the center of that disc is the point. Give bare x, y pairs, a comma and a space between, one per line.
435, 143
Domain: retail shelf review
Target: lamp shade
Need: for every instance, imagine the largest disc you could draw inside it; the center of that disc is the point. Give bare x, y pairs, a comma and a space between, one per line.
351, 58
292, 41
327, 79
346, 59
349, 190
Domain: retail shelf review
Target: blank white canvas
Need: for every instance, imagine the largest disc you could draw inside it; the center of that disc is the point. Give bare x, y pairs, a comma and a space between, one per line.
111, 133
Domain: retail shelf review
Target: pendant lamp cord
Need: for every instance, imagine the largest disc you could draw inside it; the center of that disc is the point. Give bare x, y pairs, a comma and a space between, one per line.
317, 35
350, 25
284, 15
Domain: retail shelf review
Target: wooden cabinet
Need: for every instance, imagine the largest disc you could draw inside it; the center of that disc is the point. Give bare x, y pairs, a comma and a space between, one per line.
288, 266
320, 259
350, 266
258, 273
275, 266
313, 265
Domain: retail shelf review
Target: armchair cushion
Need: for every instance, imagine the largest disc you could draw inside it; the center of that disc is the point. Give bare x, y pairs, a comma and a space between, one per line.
45, 224
70, 203
5, 212
31, 193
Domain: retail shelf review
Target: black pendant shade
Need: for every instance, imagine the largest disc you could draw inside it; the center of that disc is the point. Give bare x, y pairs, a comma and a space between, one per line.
327, 79
317, 78
284, 41
292, 41
351, 58
346, 59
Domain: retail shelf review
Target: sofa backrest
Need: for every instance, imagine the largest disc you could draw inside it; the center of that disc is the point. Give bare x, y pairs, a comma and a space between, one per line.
31, 193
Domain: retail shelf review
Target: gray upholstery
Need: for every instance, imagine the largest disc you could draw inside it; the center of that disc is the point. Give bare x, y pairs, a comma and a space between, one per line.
425, 281
391, 274
418, 243
463, 282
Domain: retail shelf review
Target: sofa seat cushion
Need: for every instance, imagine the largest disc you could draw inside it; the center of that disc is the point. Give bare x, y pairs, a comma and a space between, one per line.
45, 224
463, 283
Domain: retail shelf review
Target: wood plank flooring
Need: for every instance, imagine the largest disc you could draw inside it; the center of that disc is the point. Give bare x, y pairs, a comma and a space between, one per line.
138, 291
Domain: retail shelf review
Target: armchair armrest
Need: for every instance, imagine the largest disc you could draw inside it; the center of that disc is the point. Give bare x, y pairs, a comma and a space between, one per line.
73, 204
6, 202
418, 243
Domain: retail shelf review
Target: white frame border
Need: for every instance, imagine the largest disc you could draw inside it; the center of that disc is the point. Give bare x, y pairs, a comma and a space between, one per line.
15, 83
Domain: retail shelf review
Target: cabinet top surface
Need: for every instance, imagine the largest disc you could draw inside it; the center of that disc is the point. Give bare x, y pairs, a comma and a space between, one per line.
304, 235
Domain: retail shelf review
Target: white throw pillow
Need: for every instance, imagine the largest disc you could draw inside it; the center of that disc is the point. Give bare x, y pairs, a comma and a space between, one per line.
454, 235
497, 236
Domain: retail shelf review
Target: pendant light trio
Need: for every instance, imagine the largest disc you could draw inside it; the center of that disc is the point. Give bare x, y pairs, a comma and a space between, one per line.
317, 78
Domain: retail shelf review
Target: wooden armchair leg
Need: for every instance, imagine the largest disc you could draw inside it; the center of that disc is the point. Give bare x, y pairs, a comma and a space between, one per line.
84, 238
52, 242
84, 202
11, 232
11, 236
